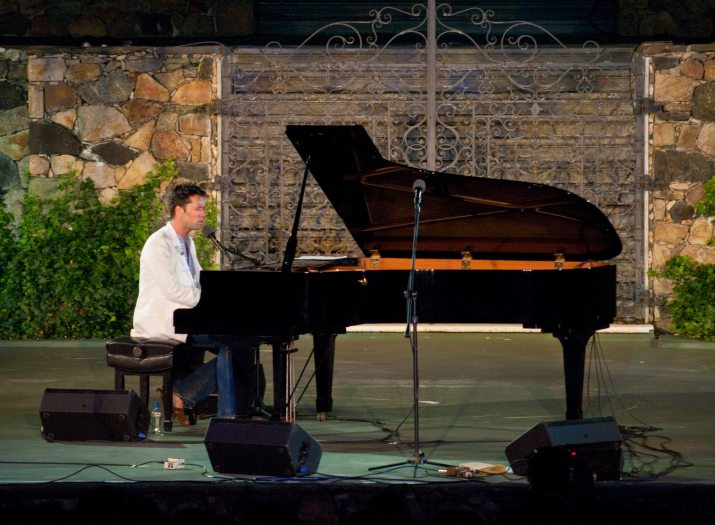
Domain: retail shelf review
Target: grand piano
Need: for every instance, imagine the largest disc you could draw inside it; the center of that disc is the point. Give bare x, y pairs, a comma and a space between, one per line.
487, 251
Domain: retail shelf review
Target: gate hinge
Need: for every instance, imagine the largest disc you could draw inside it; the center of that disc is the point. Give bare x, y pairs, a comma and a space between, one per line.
648, 105
649, 183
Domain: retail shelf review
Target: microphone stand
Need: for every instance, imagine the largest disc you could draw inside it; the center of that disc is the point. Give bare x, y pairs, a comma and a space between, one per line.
418, 458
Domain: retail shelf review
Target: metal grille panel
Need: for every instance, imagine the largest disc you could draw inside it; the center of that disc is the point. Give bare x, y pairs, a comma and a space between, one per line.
498, 108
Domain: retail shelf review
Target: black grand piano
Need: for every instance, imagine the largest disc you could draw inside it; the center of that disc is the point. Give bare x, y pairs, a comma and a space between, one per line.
488, 251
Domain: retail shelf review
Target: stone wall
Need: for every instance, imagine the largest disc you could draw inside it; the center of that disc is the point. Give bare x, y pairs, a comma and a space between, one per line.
14, 123
682, 142
111, 114
108, 114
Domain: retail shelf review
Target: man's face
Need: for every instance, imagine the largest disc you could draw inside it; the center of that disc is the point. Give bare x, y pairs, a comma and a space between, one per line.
192, 216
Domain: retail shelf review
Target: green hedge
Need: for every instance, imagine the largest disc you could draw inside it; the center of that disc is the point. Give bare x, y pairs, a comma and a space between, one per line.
70, 268
693, 301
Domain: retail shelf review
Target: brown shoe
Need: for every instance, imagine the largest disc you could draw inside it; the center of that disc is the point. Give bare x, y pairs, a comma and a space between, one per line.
178, 411
180, 416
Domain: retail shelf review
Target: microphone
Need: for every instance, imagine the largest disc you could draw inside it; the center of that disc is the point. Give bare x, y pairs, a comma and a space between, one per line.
210, 233
419, 187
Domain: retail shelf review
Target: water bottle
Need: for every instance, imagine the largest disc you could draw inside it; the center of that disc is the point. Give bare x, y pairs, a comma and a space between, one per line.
156, 418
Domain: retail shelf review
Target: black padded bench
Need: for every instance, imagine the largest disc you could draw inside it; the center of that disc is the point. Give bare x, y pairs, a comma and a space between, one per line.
146, 357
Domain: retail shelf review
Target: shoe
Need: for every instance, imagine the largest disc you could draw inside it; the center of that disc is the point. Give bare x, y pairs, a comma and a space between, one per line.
181, 415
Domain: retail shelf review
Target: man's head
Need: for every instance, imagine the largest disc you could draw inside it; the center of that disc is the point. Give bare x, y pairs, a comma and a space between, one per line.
187, 207
180, 195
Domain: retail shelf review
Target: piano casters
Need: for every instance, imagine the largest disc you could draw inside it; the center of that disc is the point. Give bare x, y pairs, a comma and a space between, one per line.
418, 458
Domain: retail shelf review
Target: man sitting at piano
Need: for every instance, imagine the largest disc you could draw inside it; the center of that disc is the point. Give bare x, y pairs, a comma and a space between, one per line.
169, 279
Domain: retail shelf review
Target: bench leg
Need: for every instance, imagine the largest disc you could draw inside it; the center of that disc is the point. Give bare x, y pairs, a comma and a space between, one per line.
167, 400
118, 379
144, 388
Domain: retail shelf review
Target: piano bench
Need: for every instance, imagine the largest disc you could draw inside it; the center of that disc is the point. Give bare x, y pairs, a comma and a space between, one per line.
146, 357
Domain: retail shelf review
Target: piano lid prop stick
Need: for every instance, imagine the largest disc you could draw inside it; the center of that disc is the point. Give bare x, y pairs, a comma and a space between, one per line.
289, 254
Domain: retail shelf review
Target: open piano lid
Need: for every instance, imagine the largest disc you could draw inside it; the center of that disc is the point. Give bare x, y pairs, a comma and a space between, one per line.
490, 218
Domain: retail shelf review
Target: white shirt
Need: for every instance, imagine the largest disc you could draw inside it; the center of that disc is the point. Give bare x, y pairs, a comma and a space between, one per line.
165, 284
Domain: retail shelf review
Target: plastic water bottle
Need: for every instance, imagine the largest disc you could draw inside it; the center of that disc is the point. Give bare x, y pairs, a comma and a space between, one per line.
156, 418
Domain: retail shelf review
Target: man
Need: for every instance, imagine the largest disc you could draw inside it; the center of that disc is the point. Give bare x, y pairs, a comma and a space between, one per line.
169, 279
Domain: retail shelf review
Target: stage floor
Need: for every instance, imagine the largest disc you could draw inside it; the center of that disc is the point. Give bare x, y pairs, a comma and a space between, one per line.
478, 392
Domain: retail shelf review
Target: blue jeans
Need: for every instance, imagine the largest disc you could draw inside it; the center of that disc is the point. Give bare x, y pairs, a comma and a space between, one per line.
215, 375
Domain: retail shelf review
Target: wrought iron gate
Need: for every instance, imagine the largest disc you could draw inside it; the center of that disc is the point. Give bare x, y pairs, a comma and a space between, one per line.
455, 91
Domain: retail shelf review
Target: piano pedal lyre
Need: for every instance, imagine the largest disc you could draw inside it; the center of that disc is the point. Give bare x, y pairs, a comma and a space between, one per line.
287, 350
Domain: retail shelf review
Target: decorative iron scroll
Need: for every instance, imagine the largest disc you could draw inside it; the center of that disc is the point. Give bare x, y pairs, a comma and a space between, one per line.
501, 99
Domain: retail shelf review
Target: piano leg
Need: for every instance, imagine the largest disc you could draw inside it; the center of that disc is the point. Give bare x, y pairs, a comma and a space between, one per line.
323, 359
573, 342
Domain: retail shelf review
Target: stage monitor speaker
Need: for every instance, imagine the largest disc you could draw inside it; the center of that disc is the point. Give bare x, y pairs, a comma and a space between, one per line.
85, 415
596, 442
264, 448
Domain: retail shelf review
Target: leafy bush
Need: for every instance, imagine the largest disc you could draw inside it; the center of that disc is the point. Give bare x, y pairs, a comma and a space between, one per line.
693, 302
706, 205
70, 268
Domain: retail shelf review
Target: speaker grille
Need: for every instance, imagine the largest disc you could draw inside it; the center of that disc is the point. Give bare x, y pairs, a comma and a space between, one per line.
88, 415
264, 448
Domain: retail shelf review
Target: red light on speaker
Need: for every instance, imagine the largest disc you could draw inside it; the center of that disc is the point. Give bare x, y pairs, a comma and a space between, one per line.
596, 443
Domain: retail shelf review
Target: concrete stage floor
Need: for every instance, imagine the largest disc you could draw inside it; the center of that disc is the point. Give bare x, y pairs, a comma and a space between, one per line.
478, 392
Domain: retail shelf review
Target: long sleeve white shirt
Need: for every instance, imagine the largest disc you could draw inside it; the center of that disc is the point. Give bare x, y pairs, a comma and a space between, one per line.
165, 284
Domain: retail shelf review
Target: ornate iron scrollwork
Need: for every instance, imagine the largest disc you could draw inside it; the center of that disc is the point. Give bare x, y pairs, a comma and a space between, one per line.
481, 97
